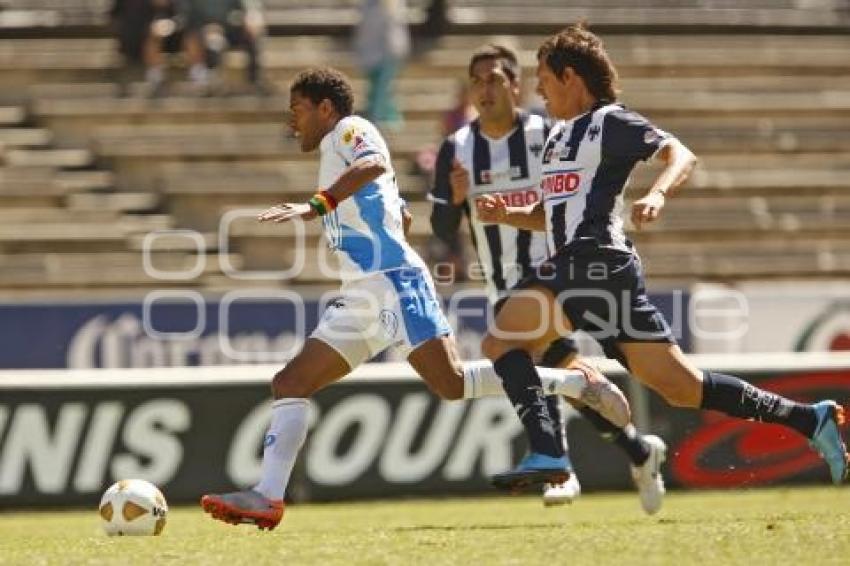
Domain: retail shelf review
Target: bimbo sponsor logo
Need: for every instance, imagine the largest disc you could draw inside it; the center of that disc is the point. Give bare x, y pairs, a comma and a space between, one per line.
521, 197
561, 183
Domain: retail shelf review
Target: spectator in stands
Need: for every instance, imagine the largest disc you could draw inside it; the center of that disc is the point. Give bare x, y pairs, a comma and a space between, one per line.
145, 28
214, 25
436, 22
382, 43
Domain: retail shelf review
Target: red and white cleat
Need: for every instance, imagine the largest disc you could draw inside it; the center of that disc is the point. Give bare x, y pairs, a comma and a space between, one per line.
247, 506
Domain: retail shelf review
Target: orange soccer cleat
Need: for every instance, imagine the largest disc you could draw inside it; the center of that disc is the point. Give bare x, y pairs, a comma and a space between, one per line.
247, 506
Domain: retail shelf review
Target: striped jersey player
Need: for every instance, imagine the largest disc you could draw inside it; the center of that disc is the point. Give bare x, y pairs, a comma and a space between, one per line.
508, 167
586, 164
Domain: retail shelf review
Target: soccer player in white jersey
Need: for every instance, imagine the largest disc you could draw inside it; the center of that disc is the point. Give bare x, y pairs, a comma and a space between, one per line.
498, 154
593, 279
387, 298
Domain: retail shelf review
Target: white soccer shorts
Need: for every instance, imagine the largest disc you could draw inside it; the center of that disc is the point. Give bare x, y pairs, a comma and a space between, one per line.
397, 308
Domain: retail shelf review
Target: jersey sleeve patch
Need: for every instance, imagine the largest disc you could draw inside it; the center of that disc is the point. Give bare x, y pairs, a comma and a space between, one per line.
355, 143
629, 135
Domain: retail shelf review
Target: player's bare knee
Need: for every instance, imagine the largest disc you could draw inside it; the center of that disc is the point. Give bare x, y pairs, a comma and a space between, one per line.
493, 348
447, 386
287, 386
451, 390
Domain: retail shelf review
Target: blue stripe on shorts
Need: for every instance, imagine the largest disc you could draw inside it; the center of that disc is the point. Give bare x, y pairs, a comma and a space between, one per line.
420, 308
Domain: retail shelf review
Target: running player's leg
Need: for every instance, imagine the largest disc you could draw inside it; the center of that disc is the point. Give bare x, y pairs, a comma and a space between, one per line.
525, 323
562, 353
316, 366
646, 453
337, 345
438, 363
650, 353
664, 368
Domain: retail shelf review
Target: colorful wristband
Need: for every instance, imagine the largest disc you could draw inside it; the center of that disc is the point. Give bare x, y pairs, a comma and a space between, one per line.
318, 204
332, 202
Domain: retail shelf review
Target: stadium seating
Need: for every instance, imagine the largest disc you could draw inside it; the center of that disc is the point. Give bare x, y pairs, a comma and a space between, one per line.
85, 174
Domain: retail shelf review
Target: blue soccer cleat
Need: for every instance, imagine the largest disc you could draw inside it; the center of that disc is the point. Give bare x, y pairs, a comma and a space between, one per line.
827, 439
535, 469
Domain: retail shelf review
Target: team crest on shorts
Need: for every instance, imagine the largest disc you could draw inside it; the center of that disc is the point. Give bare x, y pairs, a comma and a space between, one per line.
389, 322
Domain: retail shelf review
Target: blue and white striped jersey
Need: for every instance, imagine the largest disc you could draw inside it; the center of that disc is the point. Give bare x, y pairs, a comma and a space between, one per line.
508, 168
586, 165
365, 231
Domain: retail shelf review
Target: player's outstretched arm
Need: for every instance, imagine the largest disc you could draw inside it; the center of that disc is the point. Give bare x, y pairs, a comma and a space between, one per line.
492, 209
679, 163
356, 176
353, 178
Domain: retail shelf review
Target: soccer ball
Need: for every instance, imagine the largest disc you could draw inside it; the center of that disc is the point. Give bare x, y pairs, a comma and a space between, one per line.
133, 507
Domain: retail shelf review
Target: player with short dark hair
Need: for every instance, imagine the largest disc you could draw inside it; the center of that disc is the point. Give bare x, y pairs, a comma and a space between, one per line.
320, 84
499, 154
593, 279
387, 297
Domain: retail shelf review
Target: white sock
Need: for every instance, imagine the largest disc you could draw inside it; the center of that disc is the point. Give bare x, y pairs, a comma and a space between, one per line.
284, 439
481, 380
567, 382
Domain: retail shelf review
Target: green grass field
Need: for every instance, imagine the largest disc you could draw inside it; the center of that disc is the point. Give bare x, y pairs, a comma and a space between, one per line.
803, 526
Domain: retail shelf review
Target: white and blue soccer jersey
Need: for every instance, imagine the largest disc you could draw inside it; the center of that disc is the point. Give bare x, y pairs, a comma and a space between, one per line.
365, 231
586, 166
387, 296
508, 168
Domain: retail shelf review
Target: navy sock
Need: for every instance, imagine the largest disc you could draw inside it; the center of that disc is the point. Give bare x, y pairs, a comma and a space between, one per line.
523, 387
737, 398
626, 438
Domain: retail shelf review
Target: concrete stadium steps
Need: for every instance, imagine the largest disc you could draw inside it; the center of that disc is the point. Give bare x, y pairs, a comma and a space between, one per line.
728, 261
769, 117
69, 235
24, 137
779, 255
114, 202
191, 140
58, 158
341, 15
72, 117
12, 115
60, 12
135, 152
31, 185
55, 215
774, 182
681, 56
26, 62
649, 14
97, 270
824, 217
